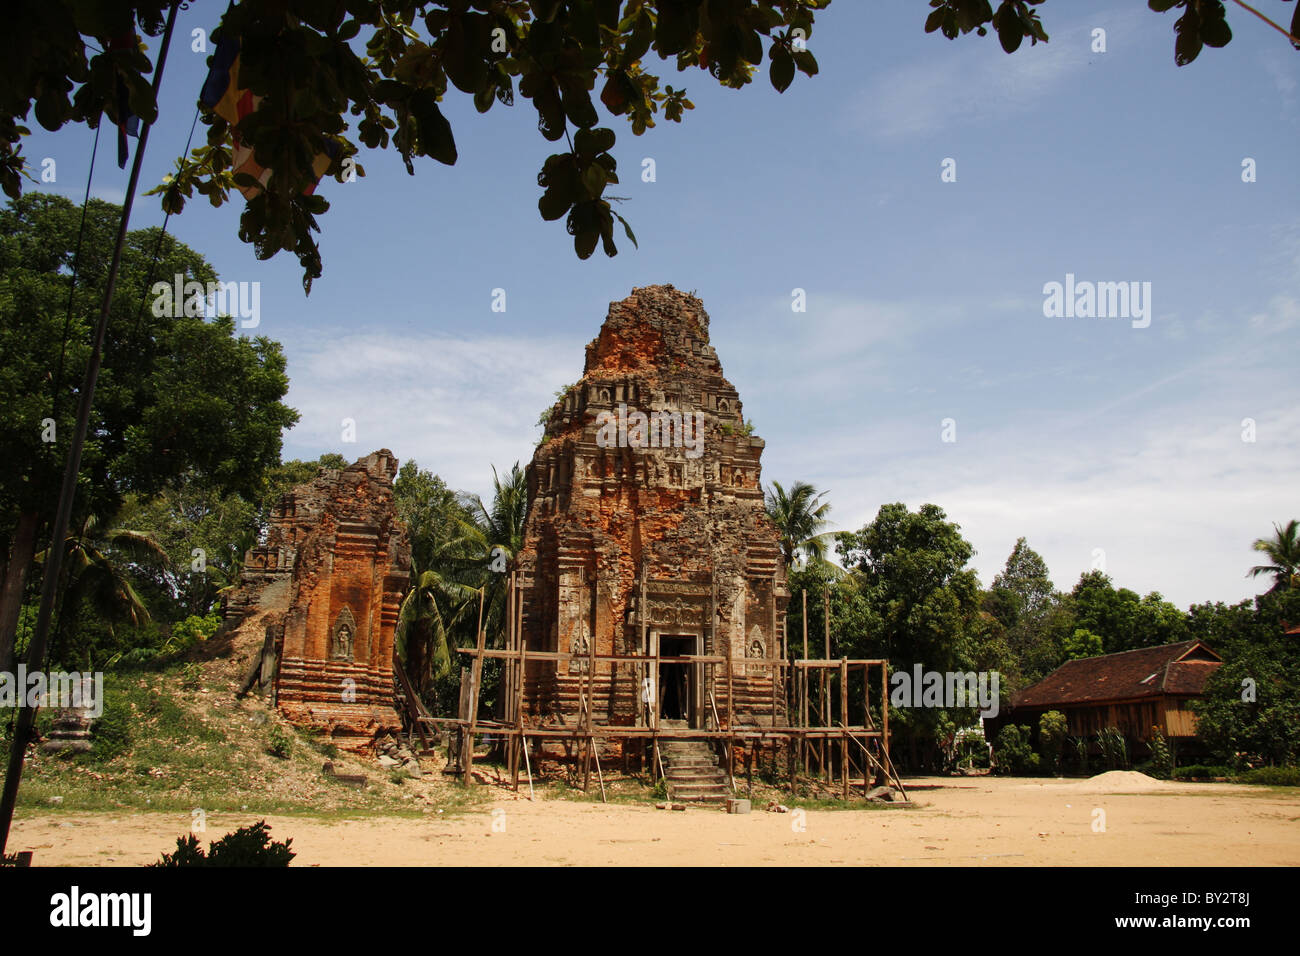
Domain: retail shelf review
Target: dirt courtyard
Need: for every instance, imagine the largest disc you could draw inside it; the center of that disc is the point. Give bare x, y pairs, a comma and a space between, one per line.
974, 821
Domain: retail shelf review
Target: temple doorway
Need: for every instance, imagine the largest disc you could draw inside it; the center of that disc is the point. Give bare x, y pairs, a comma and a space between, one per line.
677, 679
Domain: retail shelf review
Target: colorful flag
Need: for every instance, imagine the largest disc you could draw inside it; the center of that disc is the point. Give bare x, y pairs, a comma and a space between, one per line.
224, 96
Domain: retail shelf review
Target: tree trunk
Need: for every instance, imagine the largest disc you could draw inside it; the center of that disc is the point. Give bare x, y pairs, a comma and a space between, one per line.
15, 580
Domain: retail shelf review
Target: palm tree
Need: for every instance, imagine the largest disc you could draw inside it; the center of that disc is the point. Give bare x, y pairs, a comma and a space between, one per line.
98, 557
441, 611
799, 516
497, 536
428, 616
1283, 550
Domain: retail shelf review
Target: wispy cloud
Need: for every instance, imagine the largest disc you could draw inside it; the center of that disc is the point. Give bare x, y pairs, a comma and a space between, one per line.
973, 79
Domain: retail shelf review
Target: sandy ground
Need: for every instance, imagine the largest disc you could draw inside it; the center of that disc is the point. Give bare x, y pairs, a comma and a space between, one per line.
964, 821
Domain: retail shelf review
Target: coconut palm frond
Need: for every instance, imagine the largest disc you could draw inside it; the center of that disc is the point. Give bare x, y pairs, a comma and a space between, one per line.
799, 516
1283, 551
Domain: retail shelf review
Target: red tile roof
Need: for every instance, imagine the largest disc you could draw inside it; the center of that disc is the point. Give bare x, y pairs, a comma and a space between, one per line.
1180, 668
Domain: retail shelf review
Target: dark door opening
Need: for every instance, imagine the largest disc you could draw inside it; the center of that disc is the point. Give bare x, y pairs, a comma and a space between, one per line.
676, 679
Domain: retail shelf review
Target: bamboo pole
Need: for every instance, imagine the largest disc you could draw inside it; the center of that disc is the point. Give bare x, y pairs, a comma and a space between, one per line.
731, 725
508, 696
884, 713
528, 767
475, 683
803, 677
519, 712
826, 678
844, 721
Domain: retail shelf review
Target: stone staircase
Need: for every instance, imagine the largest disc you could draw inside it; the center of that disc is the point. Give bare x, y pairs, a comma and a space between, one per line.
691, 771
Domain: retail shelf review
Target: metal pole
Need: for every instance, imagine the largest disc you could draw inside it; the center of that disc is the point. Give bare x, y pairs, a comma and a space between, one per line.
63, 517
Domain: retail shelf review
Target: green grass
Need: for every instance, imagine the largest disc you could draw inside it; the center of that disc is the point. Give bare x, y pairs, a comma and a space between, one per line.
188, 749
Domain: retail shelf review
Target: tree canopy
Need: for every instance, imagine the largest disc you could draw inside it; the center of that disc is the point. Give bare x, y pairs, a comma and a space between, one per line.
335, 76
181, 400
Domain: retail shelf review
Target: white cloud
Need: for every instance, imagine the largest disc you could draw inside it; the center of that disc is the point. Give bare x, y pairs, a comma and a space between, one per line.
1174, 500
457, 406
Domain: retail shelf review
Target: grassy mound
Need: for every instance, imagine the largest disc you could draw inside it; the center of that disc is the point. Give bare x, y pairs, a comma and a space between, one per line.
176, 739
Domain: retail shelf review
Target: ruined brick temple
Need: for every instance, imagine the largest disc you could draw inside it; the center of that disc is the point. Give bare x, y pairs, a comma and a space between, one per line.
646, 533
325, 590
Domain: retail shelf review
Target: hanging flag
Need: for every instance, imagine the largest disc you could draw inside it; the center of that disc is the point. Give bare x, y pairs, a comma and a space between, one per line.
224, 96
128, 124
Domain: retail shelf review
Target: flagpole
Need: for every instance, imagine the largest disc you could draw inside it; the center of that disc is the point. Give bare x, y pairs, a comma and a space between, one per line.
54, 559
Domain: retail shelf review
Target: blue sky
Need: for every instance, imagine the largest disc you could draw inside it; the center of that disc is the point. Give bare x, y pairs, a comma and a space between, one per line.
1094, 439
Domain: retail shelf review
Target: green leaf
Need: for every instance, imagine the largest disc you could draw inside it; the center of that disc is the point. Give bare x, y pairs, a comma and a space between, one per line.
588, 142
1216, 32
436, 139
553, 205
1187, 47
593, 180
584, 242
781, 72
1011, 32
626, 228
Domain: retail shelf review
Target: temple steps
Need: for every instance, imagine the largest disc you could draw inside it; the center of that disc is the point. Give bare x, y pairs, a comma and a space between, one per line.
691, 771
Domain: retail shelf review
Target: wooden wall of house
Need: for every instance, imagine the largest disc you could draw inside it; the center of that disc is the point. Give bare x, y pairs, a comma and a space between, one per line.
1135, 719
1179, 719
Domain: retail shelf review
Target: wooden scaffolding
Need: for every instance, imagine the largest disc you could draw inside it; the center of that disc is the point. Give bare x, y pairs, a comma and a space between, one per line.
829, 718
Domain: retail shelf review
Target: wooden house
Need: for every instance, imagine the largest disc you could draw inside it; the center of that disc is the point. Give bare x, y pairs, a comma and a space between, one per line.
1136, 691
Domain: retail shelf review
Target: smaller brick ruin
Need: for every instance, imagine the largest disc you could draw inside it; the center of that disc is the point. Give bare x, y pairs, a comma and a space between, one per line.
325, 590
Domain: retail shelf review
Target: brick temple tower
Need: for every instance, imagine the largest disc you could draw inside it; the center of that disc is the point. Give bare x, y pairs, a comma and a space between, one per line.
646, 530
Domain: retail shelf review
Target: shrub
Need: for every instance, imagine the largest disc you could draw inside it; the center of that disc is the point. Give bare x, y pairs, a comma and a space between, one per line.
278, 742
1114, 748
1162, 757
247, 846
193, 630
1013, 753
1199, 771
1052, 728
1272, 776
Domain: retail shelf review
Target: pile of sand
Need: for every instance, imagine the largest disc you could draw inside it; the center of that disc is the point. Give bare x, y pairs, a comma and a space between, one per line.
1118, 781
